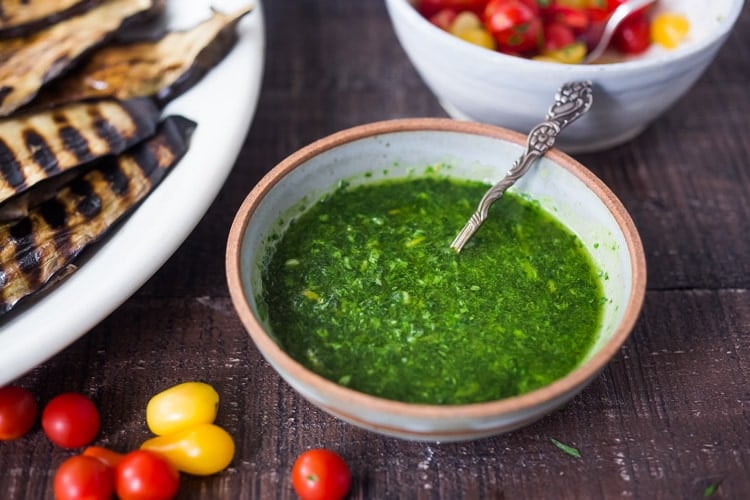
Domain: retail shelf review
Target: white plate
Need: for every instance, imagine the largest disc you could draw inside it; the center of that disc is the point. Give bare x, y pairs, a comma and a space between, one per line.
222, 104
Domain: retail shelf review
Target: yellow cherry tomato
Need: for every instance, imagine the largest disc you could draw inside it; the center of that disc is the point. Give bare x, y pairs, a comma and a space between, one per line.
465, 20
573, 4
669, 29
182, 406
202, 450
480, 37
570, 54
468, 27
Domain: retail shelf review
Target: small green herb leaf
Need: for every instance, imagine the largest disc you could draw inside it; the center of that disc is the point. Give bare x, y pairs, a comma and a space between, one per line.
711, 489
573, 452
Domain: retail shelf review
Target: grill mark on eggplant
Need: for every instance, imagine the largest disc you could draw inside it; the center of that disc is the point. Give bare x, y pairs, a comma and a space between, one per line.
108, 133
116, 178
44, 243
53, 213
10, 168
28, 264
146, 159
89, 205
75, 143
37, 146
164, 68
20, 230
30, 62
24, 17
40, 152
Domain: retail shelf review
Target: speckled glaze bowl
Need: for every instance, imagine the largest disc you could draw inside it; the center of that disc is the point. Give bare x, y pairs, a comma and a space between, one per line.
397, 148
474, 83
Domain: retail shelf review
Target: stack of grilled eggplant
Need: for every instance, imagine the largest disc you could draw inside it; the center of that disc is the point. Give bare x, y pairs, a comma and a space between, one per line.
82, 136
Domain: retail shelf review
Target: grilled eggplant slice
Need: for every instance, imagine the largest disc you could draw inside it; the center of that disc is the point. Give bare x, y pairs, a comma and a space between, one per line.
163, 68
28, 63
44, 243
24, 17
38, 146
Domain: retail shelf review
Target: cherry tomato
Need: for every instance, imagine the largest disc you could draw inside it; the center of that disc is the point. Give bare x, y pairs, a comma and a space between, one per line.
70, 420
600, 10
430, 7
570, 54
82, 477
443, 19
573, 18
107, 457
633, 35
557, 36
18, 411
202, 449
514, 24
321, 474
145, 475
669, 29
182, 406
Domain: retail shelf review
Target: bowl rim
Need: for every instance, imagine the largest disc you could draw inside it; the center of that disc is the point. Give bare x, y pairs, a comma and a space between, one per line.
677, 54
569, 384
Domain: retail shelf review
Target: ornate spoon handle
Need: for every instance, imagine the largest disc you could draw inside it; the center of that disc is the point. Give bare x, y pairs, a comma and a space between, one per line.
571, 101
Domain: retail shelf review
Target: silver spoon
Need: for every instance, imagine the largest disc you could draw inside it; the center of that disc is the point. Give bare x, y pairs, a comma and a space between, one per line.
618, 15
572, 100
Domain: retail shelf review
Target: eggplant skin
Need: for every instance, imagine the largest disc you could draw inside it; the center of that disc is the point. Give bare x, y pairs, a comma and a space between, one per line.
24, 17
37, 146
46, 242
162, 68
28, 63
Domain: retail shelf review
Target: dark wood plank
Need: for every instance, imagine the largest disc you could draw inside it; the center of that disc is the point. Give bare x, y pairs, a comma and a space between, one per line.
668, 415
665, 419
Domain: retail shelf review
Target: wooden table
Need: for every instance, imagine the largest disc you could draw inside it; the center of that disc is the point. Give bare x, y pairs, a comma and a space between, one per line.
670, 415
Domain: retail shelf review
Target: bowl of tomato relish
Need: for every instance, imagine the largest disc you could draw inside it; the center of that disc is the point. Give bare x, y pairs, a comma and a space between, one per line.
498, 61
340, 267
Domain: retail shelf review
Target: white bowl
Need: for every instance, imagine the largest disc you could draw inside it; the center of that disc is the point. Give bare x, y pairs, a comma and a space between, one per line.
474, 151
475, 83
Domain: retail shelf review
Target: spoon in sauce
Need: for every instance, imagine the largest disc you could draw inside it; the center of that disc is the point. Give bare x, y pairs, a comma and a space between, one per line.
572, 100
618, 15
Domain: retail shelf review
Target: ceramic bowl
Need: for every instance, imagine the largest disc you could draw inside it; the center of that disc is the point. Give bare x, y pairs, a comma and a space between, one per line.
474, 83
475, 151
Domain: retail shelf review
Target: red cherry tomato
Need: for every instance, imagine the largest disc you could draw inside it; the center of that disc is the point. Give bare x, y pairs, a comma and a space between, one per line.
514, 25
430, 7
600, 10
443, 18
70, 420
18, 411
557, 36
82, 477
575, 19
633, 36
107, 457
145, 475
321, 474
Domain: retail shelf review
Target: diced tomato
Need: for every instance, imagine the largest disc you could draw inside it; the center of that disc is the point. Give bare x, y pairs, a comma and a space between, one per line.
443, 19
514, 25
557, 36
600, 10
543, 28
633, 35
533, 5
575, 19
429, 8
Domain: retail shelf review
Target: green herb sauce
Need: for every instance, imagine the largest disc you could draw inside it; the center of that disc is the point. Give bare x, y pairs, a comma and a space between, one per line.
363, 289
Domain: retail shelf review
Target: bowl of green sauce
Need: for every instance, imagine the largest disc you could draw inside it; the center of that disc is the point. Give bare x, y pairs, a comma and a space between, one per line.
340, 268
